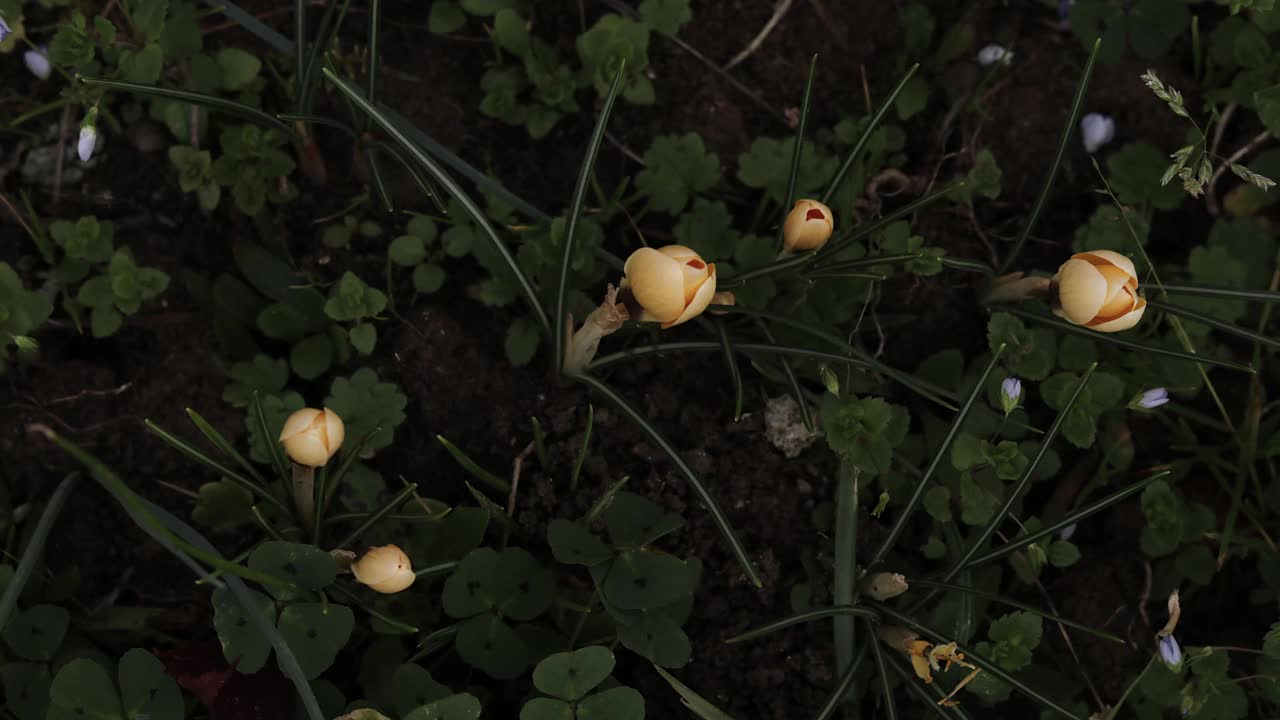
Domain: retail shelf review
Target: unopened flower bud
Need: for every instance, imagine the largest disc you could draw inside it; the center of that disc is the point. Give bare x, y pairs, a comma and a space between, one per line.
1096, 130
313, 436
1099, 290
808, 226
384, 569
87, 143
1170, 652
884, 586
1149, 399
37, 61
672, 285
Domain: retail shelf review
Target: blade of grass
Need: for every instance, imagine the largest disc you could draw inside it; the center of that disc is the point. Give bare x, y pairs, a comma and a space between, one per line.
735, 374
349, 457
1067, 521
850, 158
846, 560
708, 345
378, 182
540, 444
582, 452
474, 469
248, 21
805, 617
354, 600
990, 528
841, 691
451, 187
605, 501
194, 453
1052, 173
209, 101
1216, 323
772, 268
377, 515
968, 590
300, 48
978, 660
34, 548
697, 704
222, 444
434, 570
886, 692
798, 150
793, 382
722, 523
858, 232
967, 265
320, 120
1129, 344
943, 451
1264, 296
559, 318
864, 262
273, 444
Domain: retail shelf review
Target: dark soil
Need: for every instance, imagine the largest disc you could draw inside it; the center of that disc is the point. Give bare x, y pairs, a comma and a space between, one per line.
446, 353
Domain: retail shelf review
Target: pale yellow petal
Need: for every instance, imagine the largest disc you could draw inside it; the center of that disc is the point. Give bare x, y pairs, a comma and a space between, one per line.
335, 430
396, 583
1082, 290
657, 282
1120, 298
701, 299
1124, 322
298, 422
1108, 257
808, 226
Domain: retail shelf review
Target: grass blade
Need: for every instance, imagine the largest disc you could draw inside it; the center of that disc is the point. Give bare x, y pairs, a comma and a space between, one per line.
320, 120
273, 445
209, 101
846, 560
351, 598
222, 444
841, 691
451, 187
1068, 520
886, 692
1216, 323
34, 549
805, 617
559, 318
866, 136
978, 660
735, 374
794, 382
773, 268
1128, 344
300, 49
195, 454
857, 233
798, 150
1023, 482
967, 265
905, 513
697, 704
1072, 118
582, 452
605, 501
473, 468
707, 345
1265, 296
695, 482
377, 515
864, 262
540, 444
248, 21
968, 590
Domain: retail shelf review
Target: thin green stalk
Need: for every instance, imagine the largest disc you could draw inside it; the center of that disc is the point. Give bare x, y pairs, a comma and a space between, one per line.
300, 47
272, 442
378, 514
604, 502
435, 570
1067, 521
1223, 293
846, 560
195, 454
707, 346
452, 188
540, 444
801, 618
132, 502
731, 361
559, 318
355, 600
990, 528
1111, 712
695, 482
34, 549
798, 150
969, 590
886, 691
852, 156
209, 101
772, 268
864, 262
841, 691
474, 469
904, 514
1067, 131
1215, 323
859, 232
967, 265
582, 452
1128, 344
225, 446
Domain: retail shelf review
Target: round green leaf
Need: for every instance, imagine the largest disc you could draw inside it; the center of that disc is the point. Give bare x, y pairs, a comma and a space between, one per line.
570, 675
412, 687
239, 68
573, 544
658, 638
546, 709
316, 633
243, 645
620, 703
633, 520
446, 17
458, 707
147, 690
37, 632
311, 356
303, 565
363, 337
407, 250
26, 689
467, 591
523, 588
640, 580
487, 643
83, 689
428, 278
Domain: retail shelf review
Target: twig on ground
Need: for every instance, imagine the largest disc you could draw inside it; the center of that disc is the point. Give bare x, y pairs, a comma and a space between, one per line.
516, 467
779, 10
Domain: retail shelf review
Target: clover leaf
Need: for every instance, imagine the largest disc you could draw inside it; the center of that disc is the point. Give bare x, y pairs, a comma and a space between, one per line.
676, 168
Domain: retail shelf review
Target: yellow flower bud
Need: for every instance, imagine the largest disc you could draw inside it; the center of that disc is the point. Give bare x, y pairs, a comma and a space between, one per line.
1099, 290
886, 585
312, 436
672, 285
385, 569
808, 226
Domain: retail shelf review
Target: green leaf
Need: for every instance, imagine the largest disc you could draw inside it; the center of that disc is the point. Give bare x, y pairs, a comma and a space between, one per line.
634, 521
467, 592
83, 689
864, 431
26, 689
487, 643
913, 98
523, 337
666, 16
767, 166
407, 250
659, 639
619, 703
546, 709
264, 375
707, 229
457, 707
696, 704
937, 501
510, 33
428, 278
1015, 636
984, 178
142, 66
676, 168
148, 691
522, 589
147, 16
573, 544
306, 566
223, 505
365, 403
571, 675
363, 338
446, 17
644, 580
1063, 554
351, 299
412, 686
316, 633
1268, 102
37, 632
243, 645
1029, 353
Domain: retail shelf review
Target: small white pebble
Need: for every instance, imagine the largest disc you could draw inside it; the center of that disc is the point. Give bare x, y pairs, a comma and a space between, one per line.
784, 426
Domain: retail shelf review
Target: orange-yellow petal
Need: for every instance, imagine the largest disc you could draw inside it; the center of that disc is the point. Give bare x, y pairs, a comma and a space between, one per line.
657, 282
1082, 290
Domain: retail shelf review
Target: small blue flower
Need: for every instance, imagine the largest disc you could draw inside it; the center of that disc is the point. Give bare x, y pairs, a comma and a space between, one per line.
1170, 652
4, 29
87, 142
1096, 130
1064, 8
1153, 398
1010, 394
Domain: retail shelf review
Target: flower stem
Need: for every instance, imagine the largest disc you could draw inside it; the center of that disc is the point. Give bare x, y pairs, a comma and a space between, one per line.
304, 494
